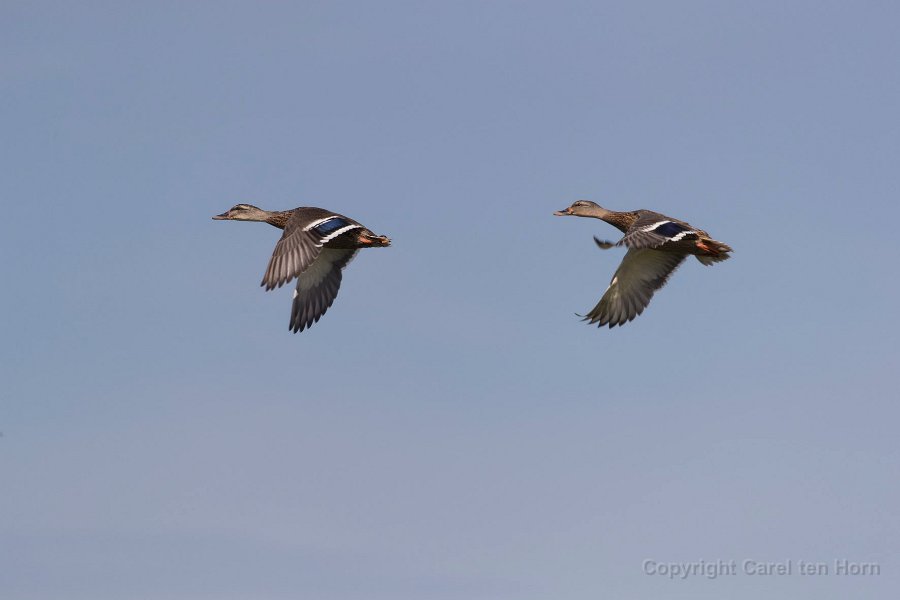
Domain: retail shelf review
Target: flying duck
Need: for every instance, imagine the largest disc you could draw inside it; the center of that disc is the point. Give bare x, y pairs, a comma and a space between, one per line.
316, 245
656, 244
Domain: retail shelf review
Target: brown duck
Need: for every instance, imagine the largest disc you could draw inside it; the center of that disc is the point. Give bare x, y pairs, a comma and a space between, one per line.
656, 244
316, 245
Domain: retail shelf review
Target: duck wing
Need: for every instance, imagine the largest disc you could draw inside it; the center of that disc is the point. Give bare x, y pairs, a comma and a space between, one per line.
301, 244
642, 272
652, 230
318, 286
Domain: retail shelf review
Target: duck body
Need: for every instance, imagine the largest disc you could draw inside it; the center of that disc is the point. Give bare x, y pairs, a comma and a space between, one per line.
657, 245
315, 247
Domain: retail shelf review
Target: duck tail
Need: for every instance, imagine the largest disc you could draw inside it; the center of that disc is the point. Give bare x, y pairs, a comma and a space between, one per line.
714, 251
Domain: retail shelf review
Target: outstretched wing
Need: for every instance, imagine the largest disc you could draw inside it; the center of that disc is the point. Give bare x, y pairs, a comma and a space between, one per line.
318, 286
300, 245
642, 272
652, 230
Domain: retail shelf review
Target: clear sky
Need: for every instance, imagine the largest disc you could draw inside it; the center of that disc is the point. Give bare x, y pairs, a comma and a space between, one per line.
449, 430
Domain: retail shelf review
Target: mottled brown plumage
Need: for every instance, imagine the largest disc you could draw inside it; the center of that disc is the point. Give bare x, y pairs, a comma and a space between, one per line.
314, 248
656, 244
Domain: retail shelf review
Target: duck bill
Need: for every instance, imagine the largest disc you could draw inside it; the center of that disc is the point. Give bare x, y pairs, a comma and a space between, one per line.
564, 212
223, 217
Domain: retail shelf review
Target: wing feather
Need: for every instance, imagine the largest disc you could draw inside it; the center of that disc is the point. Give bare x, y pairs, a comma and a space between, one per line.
641, 273
300, 245
318, 286
652, 230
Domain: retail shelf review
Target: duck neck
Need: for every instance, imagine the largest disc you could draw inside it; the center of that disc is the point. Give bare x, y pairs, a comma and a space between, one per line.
619, 220
277, 218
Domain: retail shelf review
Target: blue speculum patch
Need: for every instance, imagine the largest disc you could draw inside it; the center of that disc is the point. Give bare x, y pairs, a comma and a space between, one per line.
669, 229
330, 226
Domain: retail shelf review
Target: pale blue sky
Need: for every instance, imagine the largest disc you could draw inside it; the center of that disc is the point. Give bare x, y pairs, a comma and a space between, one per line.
449, 430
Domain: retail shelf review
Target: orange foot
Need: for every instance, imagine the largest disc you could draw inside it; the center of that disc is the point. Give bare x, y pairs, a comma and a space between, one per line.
705, 248
374, 240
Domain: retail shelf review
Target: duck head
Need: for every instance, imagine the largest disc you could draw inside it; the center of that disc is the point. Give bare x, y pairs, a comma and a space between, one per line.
243, 212
583, 208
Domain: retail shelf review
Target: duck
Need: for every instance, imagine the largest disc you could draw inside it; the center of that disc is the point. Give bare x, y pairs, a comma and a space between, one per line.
315, 247
657, 246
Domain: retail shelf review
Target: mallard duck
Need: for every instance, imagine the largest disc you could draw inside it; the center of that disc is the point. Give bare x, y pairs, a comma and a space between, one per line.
316, 245
656, 244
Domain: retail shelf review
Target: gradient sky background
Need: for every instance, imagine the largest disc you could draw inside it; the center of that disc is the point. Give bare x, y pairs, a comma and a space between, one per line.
449, 430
